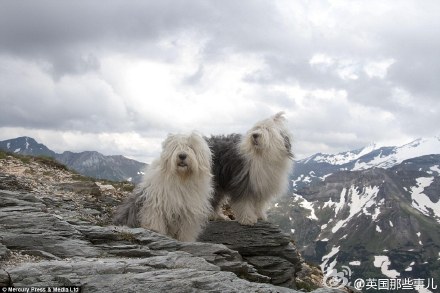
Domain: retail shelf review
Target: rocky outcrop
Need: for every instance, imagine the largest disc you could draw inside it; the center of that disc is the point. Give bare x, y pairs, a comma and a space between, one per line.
265, 247
45, 245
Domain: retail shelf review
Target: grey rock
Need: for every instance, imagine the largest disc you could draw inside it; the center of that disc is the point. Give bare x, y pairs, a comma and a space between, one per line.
88, 187
4, 252
263, 245
226, 259
10, 182
40, 253
121, 259
280, 270
5, 280
175, 272
140, 242
38, 230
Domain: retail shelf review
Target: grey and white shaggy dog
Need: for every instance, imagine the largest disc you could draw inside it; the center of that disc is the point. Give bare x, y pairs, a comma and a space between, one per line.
251, 169
174, 197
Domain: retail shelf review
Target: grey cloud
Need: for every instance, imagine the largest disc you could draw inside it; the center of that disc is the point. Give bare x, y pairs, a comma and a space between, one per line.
71, 37
82, 28
30, 99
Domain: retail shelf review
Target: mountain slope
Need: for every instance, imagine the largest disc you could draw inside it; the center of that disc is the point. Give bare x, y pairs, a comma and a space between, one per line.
93, 164
366, 218
97, 165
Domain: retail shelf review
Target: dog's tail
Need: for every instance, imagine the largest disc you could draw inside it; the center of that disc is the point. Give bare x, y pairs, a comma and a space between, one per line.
127, 213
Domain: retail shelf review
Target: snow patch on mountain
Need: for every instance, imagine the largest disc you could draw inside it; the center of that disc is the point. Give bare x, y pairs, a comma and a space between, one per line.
421, 201
383, 262
307, 205
409, 268
325, 267
325, 176
435, 169
376, 214
341, 203
360, 200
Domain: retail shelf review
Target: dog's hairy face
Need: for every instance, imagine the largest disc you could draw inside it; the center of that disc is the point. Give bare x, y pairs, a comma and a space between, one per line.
269, 136
186, 155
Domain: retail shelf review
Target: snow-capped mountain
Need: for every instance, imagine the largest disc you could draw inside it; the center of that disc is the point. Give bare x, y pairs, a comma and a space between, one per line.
376, 210
26, 146
93, 164
317, 167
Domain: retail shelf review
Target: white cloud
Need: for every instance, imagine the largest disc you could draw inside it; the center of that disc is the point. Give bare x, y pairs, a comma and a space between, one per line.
378, 68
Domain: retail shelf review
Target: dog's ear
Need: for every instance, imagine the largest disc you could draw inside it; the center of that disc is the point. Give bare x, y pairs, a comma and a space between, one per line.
287, 144
279, 117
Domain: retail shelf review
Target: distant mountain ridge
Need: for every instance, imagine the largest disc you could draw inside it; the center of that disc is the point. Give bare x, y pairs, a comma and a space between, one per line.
317, 167
88, 163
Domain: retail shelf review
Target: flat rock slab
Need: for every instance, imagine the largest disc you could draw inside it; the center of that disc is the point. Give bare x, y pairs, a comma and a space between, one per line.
175, 272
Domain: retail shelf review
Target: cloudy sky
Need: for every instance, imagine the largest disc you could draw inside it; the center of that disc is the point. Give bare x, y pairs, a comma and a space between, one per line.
117, 76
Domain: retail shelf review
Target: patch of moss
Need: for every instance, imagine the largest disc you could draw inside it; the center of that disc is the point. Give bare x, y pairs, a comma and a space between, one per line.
127, 236
3, 155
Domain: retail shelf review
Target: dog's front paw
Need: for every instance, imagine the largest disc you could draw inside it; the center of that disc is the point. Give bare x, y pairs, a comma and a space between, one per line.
263, 217
248, 221
219, 216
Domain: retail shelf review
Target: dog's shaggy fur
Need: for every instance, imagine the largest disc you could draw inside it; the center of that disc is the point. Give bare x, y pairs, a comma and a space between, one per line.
174, 197
251, 169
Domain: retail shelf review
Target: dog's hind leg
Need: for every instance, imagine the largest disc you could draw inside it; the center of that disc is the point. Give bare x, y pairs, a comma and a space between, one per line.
217, 206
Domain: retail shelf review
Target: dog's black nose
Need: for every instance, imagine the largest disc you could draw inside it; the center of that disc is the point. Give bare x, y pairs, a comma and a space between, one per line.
255, 135
182, 156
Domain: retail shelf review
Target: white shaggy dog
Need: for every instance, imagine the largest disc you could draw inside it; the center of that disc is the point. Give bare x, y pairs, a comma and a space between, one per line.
174, 197
251, 169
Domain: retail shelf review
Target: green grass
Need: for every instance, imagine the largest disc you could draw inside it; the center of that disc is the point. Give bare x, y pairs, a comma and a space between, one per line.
51, 162
3, 155
24, 159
